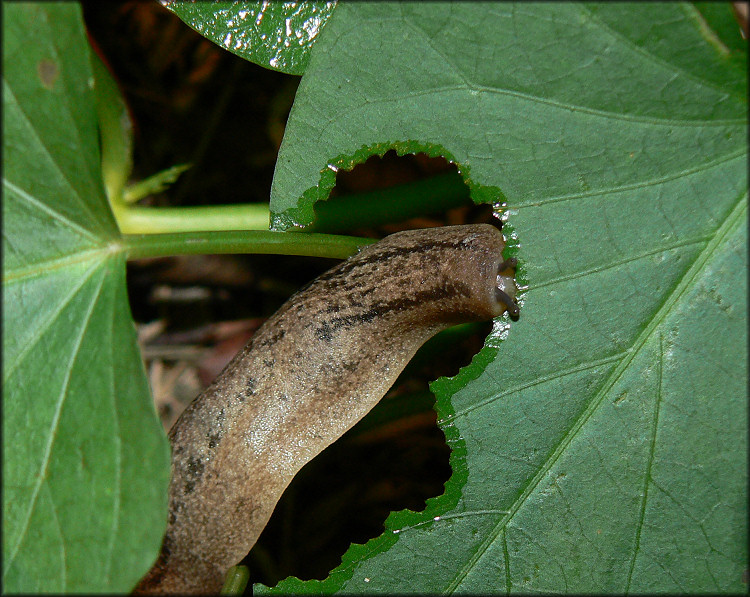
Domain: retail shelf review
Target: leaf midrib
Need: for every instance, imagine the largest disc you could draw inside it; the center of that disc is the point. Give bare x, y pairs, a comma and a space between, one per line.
20, 274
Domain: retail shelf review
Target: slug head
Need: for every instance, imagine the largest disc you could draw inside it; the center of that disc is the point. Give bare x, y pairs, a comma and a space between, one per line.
452, 274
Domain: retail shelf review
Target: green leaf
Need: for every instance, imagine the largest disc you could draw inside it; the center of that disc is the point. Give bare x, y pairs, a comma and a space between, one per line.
85, 463
604, 446
277, 35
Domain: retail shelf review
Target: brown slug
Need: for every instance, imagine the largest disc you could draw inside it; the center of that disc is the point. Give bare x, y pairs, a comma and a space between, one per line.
313, 370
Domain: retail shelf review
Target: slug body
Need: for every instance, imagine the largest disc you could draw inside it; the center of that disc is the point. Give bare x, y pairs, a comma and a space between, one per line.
307, 376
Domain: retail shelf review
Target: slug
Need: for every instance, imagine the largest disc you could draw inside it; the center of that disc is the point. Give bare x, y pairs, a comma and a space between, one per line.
313, 370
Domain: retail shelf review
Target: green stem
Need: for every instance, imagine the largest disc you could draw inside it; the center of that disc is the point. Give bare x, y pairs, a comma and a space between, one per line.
156, 220
115, 131
243, 241
236, 581
154, 184
422, 197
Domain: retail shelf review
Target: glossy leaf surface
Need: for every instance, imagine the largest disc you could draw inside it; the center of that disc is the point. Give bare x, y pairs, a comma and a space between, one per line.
277, 35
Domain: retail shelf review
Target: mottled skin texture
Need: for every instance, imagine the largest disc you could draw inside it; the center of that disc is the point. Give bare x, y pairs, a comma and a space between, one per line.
308, 375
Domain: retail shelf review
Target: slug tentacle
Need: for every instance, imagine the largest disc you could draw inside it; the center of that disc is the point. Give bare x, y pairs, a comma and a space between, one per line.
505, 291
314, 369
509, 304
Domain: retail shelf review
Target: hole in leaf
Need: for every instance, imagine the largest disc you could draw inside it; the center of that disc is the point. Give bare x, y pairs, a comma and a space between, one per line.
396, 458
393, 192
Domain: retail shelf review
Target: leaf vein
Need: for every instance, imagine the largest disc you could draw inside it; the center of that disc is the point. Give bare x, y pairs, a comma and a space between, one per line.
624, 261
118, 455
735, 219
653, 58
56, 166
44, 325
535, 382
52, 433
56, 215
740, 153
649, 464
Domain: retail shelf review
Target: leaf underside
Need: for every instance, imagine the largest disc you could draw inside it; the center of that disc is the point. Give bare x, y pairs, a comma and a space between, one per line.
604, 446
